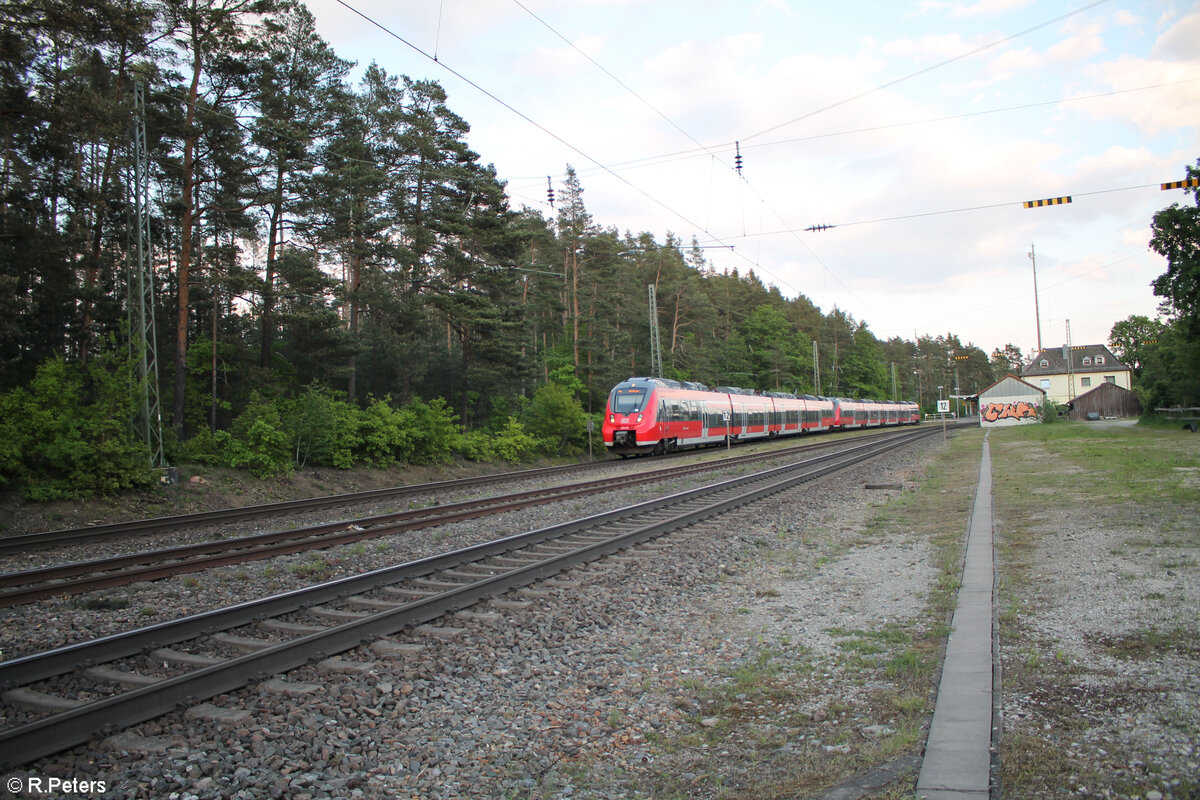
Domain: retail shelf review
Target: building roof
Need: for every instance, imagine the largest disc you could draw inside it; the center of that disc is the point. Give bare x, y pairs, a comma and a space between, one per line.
1010, 385
1084, 358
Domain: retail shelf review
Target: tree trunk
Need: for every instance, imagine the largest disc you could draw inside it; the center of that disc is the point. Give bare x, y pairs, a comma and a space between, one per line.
187, 223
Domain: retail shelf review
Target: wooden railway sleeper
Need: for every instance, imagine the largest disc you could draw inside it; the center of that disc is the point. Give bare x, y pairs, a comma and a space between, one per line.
291, 628
482, 572
335, 614
374, 605
122, 677
407, 592
182, 658
513, 560
33, 700
435, 584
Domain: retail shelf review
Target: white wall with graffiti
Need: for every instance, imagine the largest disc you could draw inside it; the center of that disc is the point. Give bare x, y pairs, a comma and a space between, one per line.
1010, 401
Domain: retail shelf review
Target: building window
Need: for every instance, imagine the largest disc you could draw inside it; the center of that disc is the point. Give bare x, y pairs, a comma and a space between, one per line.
1099, 360
1087, 382
1043, 363
1045, 383
1087, 361
1110, 378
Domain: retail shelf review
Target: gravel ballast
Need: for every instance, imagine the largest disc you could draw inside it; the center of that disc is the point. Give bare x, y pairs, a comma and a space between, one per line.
769, 653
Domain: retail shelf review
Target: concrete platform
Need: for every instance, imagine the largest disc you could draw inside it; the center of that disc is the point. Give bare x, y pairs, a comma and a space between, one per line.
958, 755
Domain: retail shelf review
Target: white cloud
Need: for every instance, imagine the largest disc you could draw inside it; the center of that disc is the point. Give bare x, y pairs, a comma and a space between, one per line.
986, 8
1180, 40
1078, 47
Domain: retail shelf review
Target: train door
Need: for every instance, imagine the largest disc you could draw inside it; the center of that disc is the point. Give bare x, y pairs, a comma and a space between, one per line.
692, 427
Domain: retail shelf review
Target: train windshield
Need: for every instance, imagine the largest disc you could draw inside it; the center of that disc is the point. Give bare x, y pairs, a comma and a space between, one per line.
627, 399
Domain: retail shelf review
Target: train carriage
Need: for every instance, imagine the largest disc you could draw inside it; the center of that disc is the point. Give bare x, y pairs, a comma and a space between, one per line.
657, 415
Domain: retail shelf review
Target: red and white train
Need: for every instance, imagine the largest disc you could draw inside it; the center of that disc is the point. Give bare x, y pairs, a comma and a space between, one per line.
657, 415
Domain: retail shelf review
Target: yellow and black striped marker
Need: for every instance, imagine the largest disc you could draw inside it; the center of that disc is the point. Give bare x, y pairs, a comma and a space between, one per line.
1053, 201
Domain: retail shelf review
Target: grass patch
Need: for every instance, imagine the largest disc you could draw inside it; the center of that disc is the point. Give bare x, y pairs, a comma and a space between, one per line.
1139, 483
103, 603
315, 567
1152, 644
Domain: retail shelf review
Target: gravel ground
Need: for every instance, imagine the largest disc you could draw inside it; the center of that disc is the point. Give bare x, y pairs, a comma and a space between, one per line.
583, 692
62, 620
770, 653
1100, 631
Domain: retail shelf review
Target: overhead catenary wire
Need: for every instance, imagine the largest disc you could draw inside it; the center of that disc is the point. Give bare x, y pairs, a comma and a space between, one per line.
612, 169
490, 95
737, 144
1025, 295
683, 155
925, 70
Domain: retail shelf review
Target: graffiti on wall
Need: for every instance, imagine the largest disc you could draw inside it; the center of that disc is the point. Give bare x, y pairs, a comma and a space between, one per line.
1019, 410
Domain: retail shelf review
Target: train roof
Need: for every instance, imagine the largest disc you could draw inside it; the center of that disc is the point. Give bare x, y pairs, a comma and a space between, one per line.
700, 387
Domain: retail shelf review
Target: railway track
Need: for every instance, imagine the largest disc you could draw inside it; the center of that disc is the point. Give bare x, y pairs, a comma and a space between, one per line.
32, 542
27, 586
90, 534
60, 698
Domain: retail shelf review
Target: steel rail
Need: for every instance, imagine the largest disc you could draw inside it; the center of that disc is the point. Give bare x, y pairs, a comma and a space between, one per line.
28, 542
27, 669
31, 542
84, 576
62, 730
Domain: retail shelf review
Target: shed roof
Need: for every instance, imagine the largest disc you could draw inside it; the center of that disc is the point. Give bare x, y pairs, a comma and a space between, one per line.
1010, 386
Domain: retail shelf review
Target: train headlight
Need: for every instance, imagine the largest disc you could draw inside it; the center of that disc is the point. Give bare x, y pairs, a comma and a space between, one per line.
639, 417
612, 417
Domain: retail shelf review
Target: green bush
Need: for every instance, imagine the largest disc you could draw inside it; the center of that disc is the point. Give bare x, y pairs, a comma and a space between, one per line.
513, 443
477, 446
258, 441
380, 434
325, 428
429, 432
203, 449
68, 434
557, 419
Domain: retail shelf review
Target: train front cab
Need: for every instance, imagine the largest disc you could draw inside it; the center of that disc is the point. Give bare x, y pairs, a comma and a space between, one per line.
630, 424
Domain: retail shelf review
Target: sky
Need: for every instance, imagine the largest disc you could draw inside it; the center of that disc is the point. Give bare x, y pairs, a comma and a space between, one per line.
918, 129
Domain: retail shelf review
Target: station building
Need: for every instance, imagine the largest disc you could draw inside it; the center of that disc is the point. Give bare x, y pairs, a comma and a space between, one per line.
1066, 373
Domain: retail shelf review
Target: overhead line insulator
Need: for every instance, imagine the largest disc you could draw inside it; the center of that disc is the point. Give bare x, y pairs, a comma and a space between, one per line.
819, 227
737, 158
550, 191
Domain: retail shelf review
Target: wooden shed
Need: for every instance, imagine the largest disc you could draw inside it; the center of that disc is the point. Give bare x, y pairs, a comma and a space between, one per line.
1106, 400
